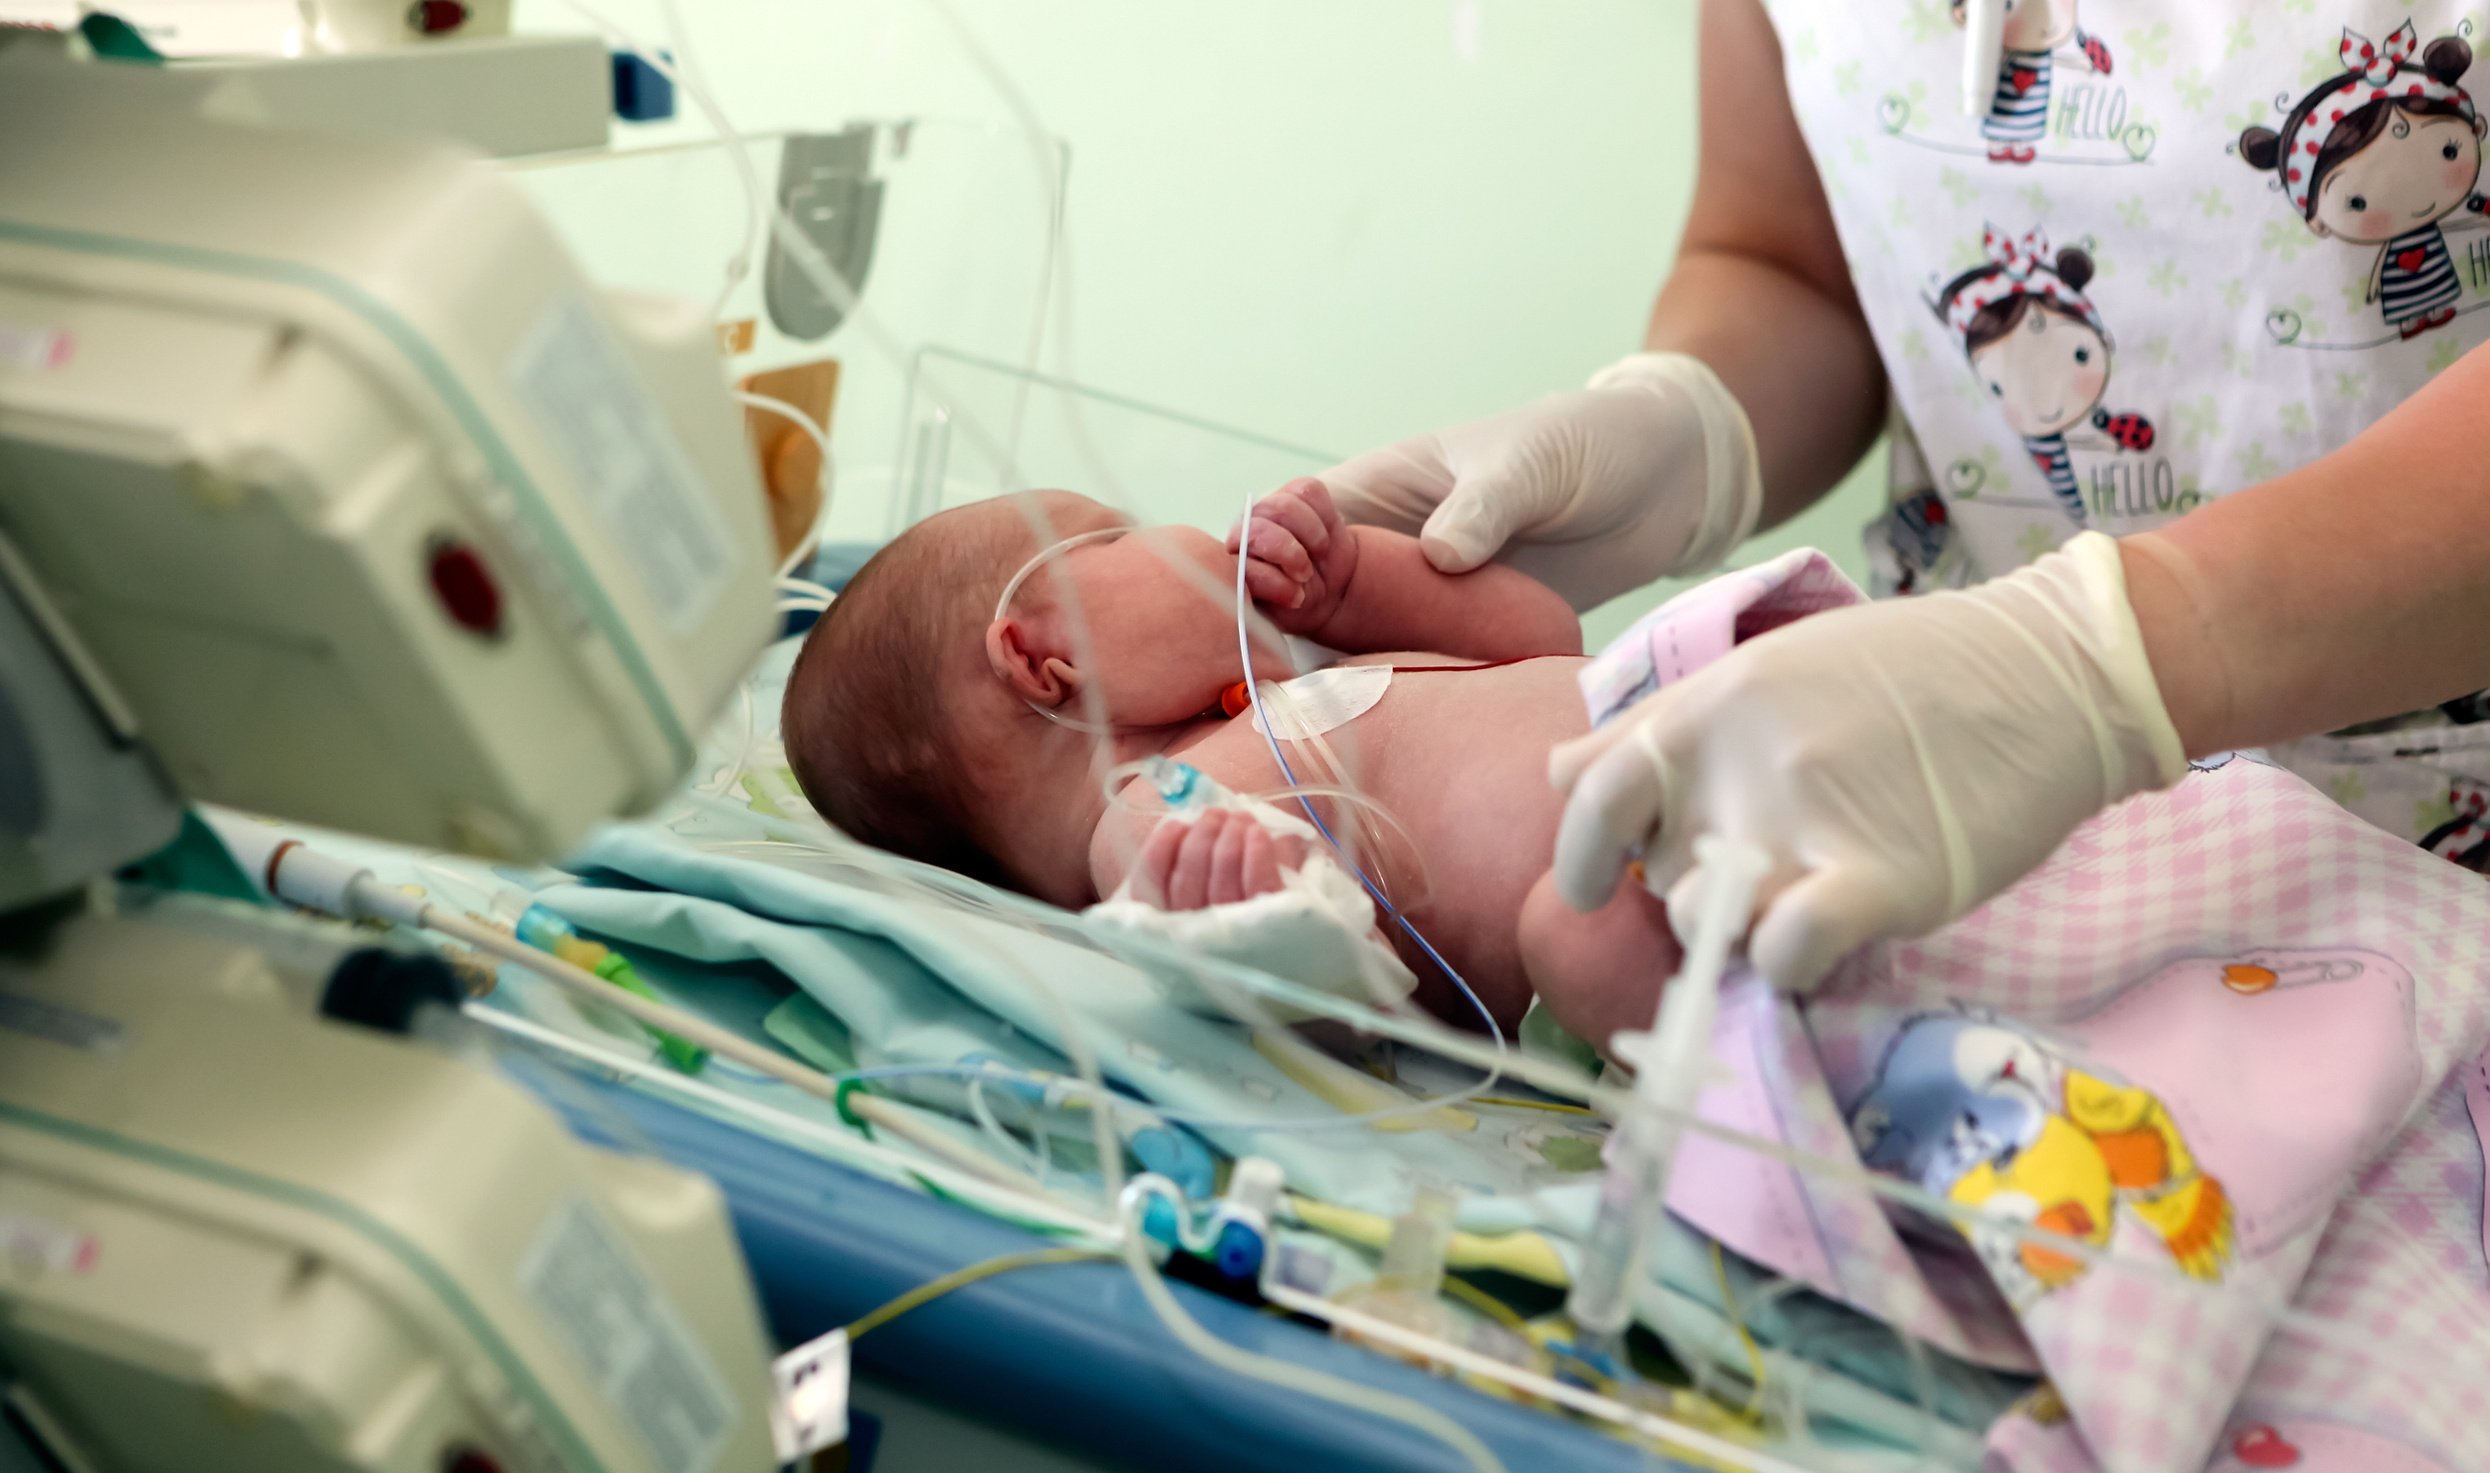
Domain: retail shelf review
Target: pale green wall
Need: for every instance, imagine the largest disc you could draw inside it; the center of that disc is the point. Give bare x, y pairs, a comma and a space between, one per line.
1327, 223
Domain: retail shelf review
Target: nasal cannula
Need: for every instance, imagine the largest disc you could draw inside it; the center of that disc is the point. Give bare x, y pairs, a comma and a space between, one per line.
1671, 1066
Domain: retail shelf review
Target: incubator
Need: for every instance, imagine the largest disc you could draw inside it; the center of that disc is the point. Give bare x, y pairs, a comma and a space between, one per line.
359, 557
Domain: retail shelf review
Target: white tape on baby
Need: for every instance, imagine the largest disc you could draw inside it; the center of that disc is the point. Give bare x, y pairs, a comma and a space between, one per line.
1324, 701
1317, 930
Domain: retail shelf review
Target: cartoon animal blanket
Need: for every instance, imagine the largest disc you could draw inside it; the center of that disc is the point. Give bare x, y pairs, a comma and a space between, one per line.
2226, 1048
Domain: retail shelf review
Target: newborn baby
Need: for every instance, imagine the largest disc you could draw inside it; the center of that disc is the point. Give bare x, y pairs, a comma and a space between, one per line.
921, 719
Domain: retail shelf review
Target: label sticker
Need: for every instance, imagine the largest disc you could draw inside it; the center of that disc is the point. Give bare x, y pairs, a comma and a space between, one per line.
619, 449
53, 1023
24, 345
39, 1245
811, 1411
628, 1339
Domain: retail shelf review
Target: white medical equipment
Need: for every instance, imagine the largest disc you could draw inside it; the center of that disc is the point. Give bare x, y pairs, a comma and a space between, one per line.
318, 465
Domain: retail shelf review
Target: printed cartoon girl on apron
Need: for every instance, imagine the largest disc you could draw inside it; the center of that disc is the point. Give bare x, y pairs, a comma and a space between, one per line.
2036, 341
2378, 156
2034, 32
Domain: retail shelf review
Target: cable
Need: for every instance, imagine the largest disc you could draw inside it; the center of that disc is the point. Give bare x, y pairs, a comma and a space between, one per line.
1554, 1107
1488, 1305
961, 1278
890, 1115
1038, 1214
735, 770
1033, 1159
1270, 735
739, 265
822, 479
807, 588
1746, 1339
1301, 1379
689, 1026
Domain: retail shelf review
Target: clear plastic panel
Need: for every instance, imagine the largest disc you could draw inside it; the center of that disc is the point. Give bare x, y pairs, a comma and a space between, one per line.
961, 256
1155, 463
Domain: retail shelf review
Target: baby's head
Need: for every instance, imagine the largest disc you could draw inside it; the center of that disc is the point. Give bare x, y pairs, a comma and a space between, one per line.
916, 719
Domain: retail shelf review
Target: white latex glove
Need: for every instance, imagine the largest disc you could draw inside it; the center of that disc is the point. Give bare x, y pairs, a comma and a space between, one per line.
1648, 472
1901, 762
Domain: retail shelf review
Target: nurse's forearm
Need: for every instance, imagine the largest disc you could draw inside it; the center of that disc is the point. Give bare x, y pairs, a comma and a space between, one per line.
2353, 588
1800, 363
1760, 291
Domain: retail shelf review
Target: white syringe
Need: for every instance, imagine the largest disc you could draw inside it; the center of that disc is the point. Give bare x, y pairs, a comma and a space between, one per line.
1671, 1064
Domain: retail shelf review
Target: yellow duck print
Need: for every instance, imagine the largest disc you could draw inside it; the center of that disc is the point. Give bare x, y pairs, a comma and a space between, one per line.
1989, 1118
2114, 1145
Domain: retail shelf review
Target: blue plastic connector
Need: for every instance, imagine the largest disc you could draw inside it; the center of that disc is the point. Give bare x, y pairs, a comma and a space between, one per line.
1238, 1251
642, 94
1158, 1220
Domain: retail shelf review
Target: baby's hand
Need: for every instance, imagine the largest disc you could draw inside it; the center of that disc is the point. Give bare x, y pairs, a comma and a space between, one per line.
1299, 556
1217, 859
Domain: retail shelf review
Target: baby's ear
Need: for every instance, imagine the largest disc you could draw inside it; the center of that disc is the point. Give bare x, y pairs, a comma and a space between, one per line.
2481, 125
1022, 662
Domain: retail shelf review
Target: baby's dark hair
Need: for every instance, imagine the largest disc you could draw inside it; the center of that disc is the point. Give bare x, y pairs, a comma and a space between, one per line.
863, 721
2003, 316
2445, 60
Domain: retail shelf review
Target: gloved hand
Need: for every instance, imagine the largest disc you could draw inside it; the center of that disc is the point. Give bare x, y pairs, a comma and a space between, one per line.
1901, 762
1650, 471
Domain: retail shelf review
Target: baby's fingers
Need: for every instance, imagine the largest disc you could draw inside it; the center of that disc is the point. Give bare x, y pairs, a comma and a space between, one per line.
1157, 860
1229, 859
1279, 545
1265, 584
1289, 850
1262, 862
1188, 884
1305, 509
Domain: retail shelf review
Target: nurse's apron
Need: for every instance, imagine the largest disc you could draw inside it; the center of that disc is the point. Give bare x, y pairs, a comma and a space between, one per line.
2217, 340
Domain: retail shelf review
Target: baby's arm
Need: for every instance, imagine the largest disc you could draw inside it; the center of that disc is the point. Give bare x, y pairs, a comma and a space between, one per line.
1366, 589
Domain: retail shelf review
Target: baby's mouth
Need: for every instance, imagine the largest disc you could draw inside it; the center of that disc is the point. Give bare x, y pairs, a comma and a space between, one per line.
2425, 212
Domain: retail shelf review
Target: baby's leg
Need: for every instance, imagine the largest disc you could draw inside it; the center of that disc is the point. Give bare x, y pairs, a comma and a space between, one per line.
1600, 972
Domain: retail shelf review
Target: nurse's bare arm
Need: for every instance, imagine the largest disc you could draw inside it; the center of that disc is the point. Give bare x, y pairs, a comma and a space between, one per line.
2350, 589
1760, 290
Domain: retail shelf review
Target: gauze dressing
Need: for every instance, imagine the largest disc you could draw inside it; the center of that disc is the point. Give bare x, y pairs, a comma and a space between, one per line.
1317, 930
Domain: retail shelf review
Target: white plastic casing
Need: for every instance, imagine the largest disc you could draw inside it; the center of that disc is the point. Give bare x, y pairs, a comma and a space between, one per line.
245, 1240
252, 382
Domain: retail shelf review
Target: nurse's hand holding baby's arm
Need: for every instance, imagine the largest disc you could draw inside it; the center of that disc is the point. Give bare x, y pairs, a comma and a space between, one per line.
1363, 589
